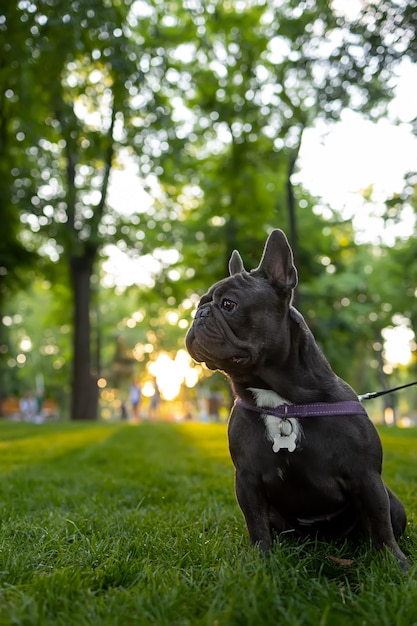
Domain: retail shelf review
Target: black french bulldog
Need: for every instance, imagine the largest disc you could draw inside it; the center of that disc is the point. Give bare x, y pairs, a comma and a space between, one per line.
313, 469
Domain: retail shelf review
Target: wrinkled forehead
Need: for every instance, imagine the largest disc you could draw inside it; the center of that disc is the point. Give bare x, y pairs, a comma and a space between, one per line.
234, 286
229, 284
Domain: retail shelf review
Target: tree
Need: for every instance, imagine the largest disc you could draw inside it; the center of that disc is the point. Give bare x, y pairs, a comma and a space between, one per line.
77, 101
248, 84
77, 69
251, 82
210, 98
16, 262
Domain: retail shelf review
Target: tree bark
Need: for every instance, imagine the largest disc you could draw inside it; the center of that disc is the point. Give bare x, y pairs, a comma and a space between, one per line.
84, 396
84, 390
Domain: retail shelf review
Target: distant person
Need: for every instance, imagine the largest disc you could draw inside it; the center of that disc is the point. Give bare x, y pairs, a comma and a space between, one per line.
123, 411
155, 402
28, 406
135, 397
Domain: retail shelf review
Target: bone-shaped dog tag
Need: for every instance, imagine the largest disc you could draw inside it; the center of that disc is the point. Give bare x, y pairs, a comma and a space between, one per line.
282, 431
284, 442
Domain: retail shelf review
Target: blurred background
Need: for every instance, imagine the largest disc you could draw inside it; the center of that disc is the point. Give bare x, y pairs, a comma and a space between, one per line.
141, 141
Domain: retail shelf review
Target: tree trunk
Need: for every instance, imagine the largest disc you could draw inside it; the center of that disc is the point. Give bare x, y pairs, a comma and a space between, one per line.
84, 391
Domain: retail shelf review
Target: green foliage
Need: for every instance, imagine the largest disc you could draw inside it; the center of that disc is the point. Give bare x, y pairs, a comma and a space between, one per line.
105, 532
36, 316
210, 100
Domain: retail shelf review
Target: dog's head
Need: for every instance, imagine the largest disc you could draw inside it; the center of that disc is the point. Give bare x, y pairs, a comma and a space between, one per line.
239, 321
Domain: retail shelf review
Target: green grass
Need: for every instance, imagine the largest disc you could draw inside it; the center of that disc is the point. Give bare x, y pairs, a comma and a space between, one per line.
129, 525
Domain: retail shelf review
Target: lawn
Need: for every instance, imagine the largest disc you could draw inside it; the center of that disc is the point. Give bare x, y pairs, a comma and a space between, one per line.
122, 525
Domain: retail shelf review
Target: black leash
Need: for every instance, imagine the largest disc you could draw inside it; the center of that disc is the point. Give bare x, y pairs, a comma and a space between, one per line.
376, 394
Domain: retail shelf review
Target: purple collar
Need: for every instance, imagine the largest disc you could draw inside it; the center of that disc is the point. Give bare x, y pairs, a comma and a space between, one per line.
317, 409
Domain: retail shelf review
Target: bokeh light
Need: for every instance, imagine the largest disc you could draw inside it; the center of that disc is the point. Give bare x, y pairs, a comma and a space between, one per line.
170, 373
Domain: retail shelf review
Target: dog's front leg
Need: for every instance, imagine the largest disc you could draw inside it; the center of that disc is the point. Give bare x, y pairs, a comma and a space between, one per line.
252, 501
376, 516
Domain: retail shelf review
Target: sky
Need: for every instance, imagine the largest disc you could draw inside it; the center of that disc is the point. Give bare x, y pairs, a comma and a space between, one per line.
337, 162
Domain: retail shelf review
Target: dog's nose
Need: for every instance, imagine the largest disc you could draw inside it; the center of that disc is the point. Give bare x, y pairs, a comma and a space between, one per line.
203, 312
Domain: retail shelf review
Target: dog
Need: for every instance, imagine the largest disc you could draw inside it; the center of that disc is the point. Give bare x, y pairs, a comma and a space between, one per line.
307, 457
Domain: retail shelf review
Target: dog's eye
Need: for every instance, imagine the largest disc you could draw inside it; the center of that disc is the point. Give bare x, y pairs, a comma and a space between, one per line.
228, 305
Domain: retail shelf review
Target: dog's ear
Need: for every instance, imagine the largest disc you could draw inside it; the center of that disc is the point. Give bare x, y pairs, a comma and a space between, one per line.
236, 263
277, 260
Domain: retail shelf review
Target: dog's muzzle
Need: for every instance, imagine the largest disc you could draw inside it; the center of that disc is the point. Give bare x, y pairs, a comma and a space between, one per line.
209, 340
